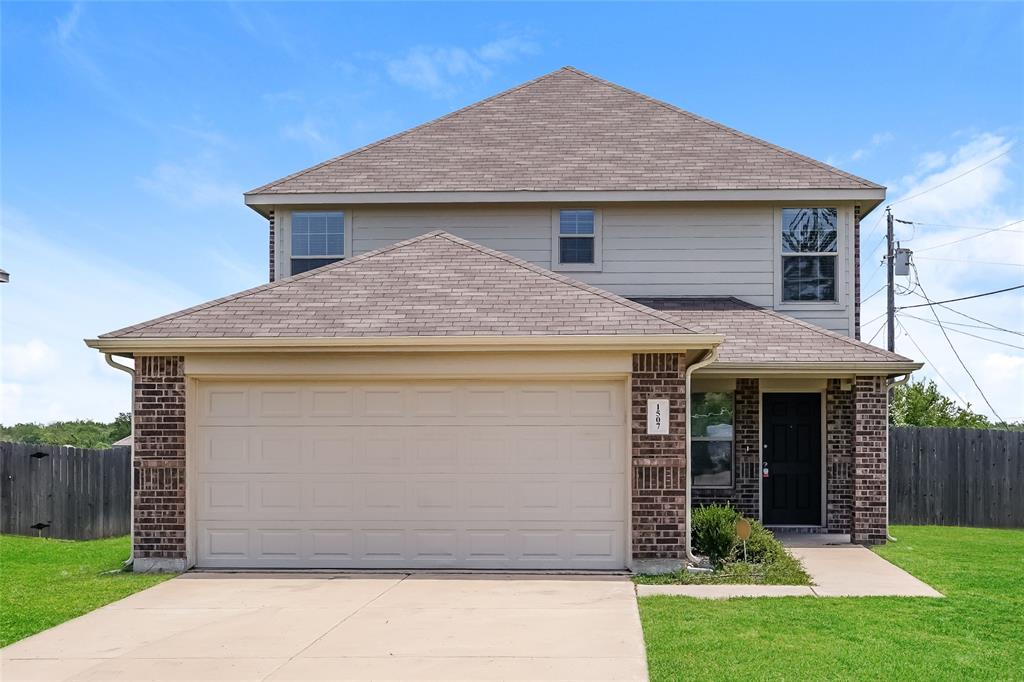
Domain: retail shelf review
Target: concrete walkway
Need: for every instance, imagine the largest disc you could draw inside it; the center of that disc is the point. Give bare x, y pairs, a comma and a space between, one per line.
837, 569
220, 626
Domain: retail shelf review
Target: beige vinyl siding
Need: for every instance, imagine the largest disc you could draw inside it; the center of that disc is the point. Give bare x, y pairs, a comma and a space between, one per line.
668, 249
520, 231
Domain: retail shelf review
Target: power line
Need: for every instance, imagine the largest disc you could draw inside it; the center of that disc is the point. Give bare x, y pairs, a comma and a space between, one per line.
877, 332
972, 236
958, 331
878, 290
988, 324
966, 172
974, 381
968, 260
963, 227
954, 300
934, 367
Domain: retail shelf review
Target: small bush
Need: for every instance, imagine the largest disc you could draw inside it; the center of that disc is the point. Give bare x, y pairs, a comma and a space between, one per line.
714, 532
762, 547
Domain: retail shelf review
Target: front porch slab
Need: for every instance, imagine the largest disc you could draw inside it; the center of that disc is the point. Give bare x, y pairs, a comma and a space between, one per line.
840, 569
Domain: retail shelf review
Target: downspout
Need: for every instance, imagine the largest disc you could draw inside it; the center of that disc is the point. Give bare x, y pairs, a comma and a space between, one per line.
131, 460
708, 358
892, 383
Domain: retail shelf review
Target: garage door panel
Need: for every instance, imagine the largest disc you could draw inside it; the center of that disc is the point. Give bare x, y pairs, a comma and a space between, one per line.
500, 449
516, 497
416, 474
421, 545
411, 403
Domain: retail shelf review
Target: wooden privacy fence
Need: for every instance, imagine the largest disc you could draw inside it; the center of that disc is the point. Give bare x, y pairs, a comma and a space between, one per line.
63, 492
956, 477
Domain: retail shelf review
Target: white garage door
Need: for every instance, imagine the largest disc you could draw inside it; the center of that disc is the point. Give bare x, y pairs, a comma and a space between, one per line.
466, 474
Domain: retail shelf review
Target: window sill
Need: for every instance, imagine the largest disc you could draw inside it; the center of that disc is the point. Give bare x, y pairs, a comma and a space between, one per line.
810, 305
576, 267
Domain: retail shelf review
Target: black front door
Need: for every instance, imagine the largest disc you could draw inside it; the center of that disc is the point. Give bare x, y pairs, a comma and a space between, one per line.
792, 455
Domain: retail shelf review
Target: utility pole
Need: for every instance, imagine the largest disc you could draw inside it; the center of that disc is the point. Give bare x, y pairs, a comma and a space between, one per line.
889, 265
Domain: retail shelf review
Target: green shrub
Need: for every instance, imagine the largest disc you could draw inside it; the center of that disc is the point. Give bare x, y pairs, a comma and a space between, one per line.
762, 547
714, 532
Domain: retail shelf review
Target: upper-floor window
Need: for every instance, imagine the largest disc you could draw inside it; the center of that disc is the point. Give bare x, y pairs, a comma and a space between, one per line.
577, 239
810, 246
711, 435
318, 239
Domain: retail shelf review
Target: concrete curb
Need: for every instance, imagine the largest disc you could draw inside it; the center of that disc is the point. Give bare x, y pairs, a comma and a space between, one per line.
724, 591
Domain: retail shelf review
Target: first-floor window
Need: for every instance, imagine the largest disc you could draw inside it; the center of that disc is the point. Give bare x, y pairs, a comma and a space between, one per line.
810, 246
711, 428
318, 239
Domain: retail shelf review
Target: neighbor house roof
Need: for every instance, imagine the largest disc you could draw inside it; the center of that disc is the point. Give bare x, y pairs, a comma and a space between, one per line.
567, 131
757, 336
433, 285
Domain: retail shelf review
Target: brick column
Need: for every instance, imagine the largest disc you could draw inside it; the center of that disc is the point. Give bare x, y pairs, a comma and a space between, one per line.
839, 416
159, 464
659, 462
870, 461
745, 495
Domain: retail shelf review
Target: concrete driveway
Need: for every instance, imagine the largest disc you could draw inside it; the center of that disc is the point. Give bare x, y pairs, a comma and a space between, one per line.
219, 626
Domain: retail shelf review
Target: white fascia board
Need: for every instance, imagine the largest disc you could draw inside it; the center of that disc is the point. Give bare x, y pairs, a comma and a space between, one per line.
641, 343
811, 369
530, 196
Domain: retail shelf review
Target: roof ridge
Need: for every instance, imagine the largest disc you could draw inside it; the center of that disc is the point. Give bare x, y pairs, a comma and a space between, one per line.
270, 285
723, 127
582, 286
408, 131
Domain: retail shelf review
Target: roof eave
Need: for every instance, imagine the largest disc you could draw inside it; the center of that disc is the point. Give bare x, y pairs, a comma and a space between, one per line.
814, 369
872, 196
611, 342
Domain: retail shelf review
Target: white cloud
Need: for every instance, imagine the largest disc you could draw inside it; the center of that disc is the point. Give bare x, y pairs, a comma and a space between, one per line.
68, 24
308, 132
191, 184
988, 197
47, 372
507, 49
877, 141
441, 71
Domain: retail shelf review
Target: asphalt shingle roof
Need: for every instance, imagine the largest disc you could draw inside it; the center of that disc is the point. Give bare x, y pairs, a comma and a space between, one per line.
433, 285
757, 335
567, 131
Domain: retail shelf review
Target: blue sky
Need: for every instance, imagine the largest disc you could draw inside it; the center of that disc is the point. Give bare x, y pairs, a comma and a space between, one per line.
130, 131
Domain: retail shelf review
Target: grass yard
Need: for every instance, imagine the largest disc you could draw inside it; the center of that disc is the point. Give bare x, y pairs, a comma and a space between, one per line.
974, 633
45, 582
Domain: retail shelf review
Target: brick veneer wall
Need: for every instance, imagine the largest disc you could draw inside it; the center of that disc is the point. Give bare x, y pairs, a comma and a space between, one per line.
273, 246
745, 495
659, 461
839, 418
870, 454
159, 463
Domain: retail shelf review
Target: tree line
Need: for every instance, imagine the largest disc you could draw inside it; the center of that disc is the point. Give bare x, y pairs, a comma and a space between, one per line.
80, 433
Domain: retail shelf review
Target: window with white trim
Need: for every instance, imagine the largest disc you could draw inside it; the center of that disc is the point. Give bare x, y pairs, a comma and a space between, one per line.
810, 249
576, 239
318, 239
711, 439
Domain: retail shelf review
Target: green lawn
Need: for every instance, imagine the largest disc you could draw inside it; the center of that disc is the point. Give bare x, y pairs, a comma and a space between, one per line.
45, 582
976, 632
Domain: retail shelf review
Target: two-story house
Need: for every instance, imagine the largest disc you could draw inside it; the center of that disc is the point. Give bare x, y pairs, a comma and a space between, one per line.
531, 334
